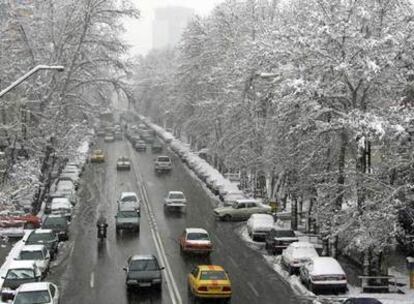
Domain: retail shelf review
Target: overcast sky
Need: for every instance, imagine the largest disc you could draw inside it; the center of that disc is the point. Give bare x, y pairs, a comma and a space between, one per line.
139, 33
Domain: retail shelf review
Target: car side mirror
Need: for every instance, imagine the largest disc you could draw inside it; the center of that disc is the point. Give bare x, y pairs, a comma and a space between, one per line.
124, 268
162, 268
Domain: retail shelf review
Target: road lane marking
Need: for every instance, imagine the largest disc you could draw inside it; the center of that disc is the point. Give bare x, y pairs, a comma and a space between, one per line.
253, 289
92, 280
232, 261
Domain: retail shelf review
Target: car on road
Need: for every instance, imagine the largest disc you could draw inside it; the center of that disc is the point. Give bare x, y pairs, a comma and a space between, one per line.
175, 200
8, 218
118, 135
209, 282
195, 240
97, 156
123, 163
100, 132
37, 293
140, 145
241, 210
58, 224
298, 254
109, 138
156, 147
61, 206
143, 271
18, 273
162, 163
277, 240
43, 237
129, 200
259, 226
362, 301
38, 254
127, 220
323, 273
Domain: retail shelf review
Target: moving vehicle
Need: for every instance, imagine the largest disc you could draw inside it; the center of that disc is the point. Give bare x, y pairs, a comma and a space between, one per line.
61, 206
241, 210
38, 254
278, 240
143, 271
58, 224
156, 147
42, 292
297, 254
259, 226
209, 281
123, 163
18, 273
109, 137
128, 201
97, 156
127, 220
140, 145
175, 200
195, 240
323, 273
162, 163
43, 237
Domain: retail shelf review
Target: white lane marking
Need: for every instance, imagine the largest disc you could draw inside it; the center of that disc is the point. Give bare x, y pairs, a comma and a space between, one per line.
219, 241
232, 261
92, 280
253, 289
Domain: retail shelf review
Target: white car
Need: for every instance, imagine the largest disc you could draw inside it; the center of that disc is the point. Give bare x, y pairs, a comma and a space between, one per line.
259, 225
42, 292
175, 200
297, 254
128, 201
61, 206
37, 254
162, 163
241, 210
323, 273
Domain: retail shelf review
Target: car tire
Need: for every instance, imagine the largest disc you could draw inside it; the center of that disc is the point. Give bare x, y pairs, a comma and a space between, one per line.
227, 218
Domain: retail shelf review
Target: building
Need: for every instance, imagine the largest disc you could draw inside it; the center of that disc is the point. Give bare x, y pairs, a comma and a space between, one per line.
168, 25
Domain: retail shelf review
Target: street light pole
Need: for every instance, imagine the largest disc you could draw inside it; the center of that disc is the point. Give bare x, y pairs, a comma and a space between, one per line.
59, 68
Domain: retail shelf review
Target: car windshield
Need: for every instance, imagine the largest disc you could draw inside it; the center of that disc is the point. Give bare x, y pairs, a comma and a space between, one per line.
164, 159
17, 274
176, 196
144, 265
52, 222
129, 198
131, 213
32, 297
213, 275
123, 159
199, 236
39, 237
98, 152
31, 255
284, 233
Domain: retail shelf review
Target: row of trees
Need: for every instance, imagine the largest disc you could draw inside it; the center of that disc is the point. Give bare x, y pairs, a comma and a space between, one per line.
318, 94
50, 113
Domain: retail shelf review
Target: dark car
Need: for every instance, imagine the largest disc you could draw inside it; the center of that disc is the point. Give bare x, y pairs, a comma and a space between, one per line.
362, 301
277, 240
156, 147
140, 145
143, 271
58, 224
43, 237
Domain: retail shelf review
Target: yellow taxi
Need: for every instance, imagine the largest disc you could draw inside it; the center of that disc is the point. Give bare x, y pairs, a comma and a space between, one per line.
97, 156
209, 281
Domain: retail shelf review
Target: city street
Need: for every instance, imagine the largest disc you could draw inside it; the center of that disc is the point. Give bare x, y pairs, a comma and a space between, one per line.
89, 272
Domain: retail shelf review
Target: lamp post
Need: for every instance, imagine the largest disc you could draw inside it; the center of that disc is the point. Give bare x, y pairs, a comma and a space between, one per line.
59, 68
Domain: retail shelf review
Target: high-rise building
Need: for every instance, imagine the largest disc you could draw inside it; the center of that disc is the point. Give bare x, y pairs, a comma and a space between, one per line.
168, 25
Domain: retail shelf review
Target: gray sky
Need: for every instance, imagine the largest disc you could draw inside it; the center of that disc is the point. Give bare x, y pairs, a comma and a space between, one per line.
139, 33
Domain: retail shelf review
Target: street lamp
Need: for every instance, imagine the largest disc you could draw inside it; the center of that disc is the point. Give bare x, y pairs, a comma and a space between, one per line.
59, 68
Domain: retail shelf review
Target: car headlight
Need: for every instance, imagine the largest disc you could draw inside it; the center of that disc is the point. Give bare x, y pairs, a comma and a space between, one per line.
156, 280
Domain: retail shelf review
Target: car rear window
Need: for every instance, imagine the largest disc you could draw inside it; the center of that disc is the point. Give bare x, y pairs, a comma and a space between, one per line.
53, 222
163, 159
213, 275
16, 274
144, 265
31, 255
176, 195
129, 198
197, 236
35, 297
284, 233
36, 237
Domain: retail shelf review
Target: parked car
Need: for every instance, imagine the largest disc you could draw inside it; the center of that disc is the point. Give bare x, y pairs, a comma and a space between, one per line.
11, 217
209, 282
38, 254
241, 210
277, 240
127, 220
43, 237
361, 301
97, 156
323, 273
123, 163
297, 254
58, 224
42, 292
129, 200
175, 200
18, 273
195, 240
140, 145
61, 206
68, 176
109, 138
143, 271
156, 147
118, 135
162, 163
259, 226
229, 198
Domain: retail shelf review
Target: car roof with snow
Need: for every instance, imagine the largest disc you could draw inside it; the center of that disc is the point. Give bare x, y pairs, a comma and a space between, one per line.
247, 200
126, 194
326, 266
60, 201
301, 245
33, 247
36, 286
41, 230
136, 257
195, 230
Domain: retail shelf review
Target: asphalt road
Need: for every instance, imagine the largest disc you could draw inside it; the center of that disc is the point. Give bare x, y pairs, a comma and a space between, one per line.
91, 272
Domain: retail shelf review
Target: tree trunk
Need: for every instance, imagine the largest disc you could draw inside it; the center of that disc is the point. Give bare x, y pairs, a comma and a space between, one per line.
341, 173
